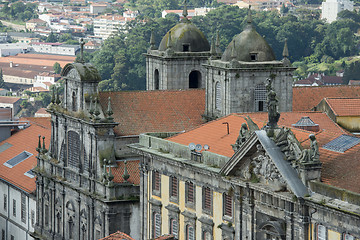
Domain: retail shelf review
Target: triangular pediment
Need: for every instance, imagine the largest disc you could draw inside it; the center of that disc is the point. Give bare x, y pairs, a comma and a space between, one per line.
259, 159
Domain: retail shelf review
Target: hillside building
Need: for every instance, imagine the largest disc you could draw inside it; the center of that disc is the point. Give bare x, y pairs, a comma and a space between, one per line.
331, 8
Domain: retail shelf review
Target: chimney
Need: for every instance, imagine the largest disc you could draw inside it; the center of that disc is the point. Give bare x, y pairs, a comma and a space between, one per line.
307, 124
11, 64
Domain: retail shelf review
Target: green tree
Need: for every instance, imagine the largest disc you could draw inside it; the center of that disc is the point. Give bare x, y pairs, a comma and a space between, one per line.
57, 68
45, 98
51, 38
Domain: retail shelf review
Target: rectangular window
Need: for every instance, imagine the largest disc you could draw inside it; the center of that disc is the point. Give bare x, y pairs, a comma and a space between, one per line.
227, 205
2, 234
32, 217
173, 187
23, 208
12, 237
189, 188
156, 180
14, 207
207, 199
321, 232
5, 202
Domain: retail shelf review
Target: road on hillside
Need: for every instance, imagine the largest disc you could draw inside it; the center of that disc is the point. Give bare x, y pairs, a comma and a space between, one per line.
16, 27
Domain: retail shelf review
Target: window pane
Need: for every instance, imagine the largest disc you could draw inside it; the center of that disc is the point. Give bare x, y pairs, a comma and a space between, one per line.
321, 235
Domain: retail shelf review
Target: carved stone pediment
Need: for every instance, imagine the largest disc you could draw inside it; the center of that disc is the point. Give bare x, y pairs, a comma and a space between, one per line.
262, 159
259, 167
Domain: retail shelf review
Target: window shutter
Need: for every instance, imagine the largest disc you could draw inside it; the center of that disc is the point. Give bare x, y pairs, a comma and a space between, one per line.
321, 235
227, 205
218, 96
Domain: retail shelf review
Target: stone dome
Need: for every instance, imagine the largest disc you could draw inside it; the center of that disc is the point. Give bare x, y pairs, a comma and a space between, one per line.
248, 46
185, 37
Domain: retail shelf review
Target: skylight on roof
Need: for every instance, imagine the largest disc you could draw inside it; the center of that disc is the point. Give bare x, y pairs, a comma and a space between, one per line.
30, 174
17, 159
342, 143
5, 146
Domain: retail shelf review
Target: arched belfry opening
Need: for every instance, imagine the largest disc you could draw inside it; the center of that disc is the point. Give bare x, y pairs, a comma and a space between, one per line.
195, 79
156, 79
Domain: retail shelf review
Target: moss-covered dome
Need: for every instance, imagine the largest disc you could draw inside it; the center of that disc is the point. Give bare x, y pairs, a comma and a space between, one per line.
248, 46
185, 37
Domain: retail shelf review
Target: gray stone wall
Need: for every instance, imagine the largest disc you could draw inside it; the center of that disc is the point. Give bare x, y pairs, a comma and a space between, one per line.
174, 71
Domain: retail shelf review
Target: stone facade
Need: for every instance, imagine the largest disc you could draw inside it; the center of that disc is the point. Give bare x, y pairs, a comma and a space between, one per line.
78, 197
178, 62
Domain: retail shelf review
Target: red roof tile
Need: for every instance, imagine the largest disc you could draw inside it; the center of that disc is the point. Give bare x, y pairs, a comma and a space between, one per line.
117, 236
133, 171
155, 111
24, 140
339, 169
11, 100
344, 106
306, 98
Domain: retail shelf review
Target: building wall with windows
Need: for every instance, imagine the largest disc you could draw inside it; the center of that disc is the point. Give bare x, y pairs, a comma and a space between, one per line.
238, 207
17, 212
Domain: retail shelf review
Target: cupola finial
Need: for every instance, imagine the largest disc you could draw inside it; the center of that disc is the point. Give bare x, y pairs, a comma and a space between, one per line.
185, 12
152, 41
286, 50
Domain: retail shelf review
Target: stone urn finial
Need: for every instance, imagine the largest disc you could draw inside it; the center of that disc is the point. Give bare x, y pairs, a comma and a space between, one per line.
126, 175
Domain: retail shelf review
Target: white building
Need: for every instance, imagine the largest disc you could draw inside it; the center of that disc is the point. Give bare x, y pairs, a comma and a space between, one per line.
55, 48
96, 8
106, 25
331, 8
12, 49
17, 181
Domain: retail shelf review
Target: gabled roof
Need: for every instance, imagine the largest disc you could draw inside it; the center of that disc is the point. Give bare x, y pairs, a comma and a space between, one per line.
155, 111
306, 98
24, 140
285, 169
344, 106
338, 169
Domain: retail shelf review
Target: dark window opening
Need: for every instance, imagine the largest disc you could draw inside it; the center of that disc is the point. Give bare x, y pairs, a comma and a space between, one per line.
156, 79
261, 106
253, 57
74, 101
186, 47
195, 79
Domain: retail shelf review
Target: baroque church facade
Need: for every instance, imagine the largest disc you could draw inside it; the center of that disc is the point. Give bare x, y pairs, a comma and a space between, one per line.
84, 190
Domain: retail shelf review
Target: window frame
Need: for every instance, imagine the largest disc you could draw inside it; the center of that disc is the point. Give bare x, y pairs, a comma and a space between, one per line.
188, 202
14, 208
188, 227
205, 208
155, 226
226, 204
156, 176
174, 189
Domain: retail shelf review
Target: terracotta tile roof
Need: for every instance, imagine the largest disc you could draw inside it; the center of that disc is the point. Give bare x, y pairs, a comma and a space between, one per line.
38, 59
18, 72
344, 106
306, 98
155, 111
24, 140
117, 236
132, 168
339, 169
42, 111
11, 100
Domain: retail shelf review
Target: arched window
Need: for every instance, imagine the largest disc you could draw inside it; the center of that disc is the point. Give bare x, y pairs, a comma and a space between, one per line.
190, 233
206, 235
260, 98
218, 96
195, 79
156, 79
73, 149
174, 227
74, 101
